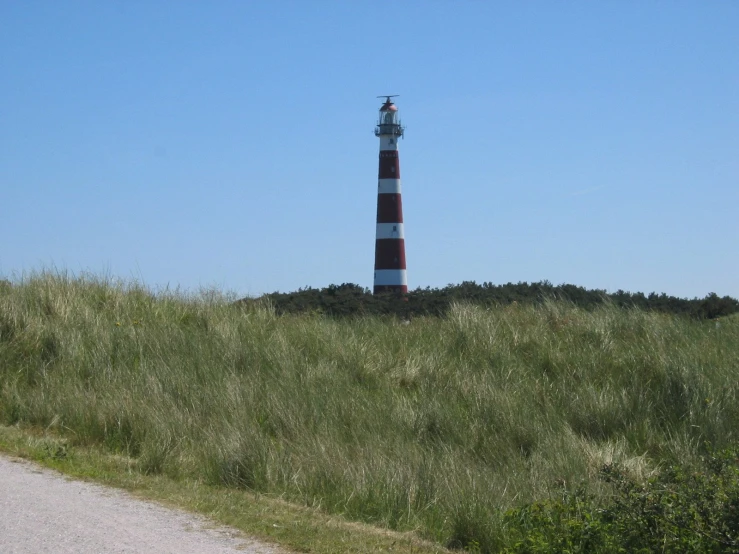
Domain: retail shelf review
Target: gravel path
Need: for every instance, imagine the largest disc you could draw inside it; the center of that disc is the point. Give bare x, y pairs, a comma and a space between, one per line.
41, 511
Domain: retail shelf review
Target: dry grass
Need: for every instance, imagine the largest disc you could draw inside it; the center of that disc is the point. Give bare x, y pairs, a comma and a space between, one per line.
434, 427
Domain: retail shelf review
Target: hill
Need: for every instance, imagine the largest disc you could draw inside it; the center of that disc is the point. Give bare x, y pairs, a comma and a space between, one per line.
487, 428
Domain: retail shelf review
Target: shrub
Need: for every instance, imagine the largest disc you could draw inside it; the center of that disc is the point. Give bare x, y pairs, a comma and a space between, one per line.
682, 509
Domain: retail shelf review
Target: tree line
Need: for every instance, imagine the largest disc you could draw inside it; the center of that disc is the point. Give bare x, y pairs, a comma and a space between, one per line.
349, 299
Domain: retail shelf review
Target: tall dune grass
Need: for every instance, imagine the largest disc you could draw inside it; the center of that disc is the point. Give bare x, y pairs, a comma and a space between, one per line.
439, 425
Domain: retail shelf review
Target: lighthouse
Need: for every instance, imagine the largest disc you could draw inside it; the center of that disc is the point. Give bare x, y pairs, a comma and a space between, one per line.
389, 238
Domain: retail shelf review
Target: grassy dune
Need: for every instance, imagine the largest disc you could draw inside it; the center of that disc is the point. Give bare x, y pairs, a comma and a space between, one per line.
438, 426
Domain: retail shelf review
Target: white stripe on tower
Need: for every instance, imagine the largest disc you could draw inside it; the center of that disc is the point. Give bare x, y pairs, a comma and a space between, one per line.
390, 237
390, 231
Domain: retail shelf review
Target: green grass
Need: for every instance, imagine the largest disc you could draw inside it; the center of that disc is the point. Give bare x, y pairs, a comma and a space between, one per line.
266, 517
438, 427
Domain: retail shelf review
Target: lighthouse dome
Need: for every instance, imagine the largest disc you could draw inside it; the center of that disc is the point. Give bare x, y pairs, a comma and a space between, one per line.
388, 122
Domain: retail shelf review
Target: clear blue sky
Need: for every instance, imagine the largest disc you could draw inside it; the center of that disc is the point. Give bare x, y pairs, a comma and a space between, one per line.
230, 143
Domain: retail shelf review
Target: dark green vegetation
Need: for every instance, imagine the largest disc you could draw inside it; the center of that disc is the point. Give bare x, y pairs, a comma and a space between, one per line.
350, 300
678, 510
529, 427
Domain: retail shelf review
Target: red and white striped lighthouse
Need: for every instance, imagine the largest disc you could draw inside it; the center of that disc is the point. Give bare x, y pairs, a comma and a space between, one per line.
389, 239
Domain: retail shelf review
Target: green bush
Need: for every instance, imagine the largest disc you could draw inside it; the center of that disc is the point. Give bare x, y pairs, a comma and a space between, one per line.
349, 300
682, 509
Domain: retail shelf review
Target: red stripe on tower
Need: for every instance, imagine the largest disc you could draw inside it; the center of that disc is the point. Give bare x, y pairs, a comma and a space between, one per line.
389, 208
390, 237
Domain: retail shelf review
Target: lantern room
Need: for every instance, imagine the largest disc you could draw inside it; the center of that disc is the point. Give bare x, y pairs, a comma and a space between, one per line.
388, 122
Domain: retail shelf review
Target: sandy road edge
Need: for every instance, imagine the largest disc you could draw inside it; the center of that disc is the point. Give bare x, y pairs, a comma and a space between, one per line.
270, 520
42, 510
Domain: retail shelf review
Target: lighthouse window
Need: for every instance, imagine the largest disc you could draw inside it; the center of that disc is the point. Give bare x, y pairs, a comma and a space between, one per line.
395, 227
